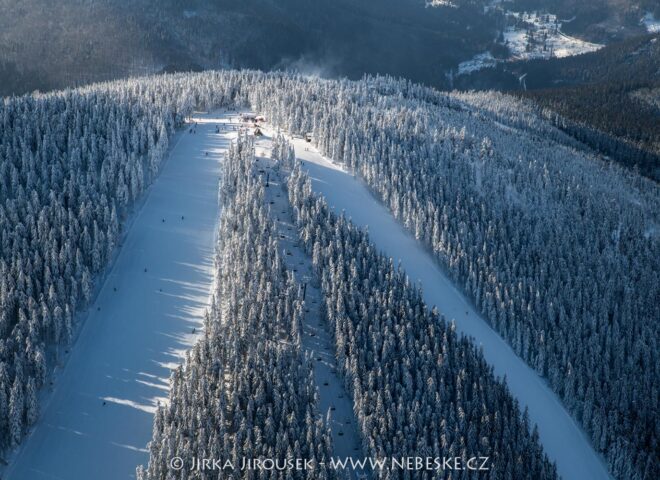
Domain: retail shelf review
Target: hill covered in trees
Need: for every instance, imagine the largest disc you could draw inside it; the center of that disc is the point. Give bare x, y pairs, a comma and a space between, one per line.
416, 386
46, 45
607, 99
557, 247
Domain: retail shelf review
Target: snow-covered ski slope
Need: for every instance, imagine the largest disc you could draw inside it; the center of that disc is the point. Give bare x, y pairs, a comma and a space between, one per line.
563, 440
98, 420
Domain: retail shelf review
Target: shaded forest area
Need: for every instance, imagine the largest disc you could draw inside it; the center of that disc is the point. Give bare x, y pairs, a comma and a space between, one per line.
607, 99
49, 45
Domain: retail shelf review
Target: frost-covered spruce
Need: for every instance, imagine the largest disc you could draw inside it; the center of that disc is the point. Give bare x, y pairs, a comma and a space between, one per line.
558, 249
245, 390
418, 388
71, 165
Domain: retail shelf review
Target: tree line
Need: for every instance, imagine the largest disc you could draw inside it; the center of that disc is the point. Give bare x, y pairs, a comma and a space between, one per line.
245, 391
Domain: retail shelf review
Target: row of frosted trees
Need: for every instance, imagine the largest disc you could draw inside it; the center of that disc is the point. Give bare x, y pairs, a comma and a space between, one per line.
417, 387
557, 249
71, 165
245, 390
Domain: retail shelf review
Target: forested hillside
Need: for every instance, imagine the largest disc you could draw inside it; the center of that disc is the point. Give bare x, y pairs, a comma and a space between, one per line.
605, 98
556, 247
71, 166
441, 401
416, 385
245, 390
46, 45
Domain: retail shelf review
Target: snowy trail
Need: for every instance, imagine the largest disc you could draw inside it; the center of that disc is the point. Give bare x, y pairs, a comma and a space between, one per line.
563, 440
98, 420
317, 339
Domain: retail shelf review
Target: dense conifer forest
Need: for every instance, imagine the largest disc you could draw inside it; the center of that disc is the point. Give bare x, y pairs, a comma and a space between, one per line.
607, 99
557, 247
245, 390
416, 386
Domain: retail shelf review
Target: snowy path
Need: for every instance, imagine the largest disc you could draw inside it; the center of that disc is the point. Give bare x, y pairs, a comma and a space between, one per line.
317, 340
97, 422
563, 440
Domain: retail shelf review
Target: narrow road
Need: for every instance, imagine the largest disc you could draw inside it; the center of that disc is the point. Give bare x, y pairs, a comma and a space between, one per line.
98, 420
563, 440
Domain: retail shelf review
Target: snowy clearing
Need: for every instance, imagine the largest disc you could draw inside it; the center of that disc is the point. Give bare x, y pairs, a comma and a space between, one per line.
651, 23
147, 313
563, 441
540, 36
532, 36
479, 61
440, 3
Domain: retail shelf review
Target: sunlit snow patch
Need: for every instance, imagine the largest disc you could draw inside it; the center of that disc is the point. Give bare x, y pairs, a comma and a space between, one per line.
651, 23
440, 3
479, 61
531, 36
540, 36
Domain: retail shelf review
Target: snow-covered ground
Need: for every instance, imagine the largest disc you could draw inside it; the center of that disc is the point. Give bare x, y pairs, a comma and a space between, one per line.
540, 36
651, 23
440, 3
479, 61
317, 339
531, 36
562, 439
98, 420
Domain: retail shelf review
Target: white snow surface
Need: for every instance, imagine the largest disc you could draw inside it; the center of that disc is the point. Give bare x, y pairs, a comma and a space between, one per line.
539, 37
479, 61
651, 23
134, 336
543, 26
440, 3
563, 440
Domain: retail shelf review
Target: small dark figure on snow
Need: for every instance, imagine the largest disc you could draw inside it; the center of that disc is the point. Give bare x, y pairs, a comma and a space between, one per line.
145, 269
181, 217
